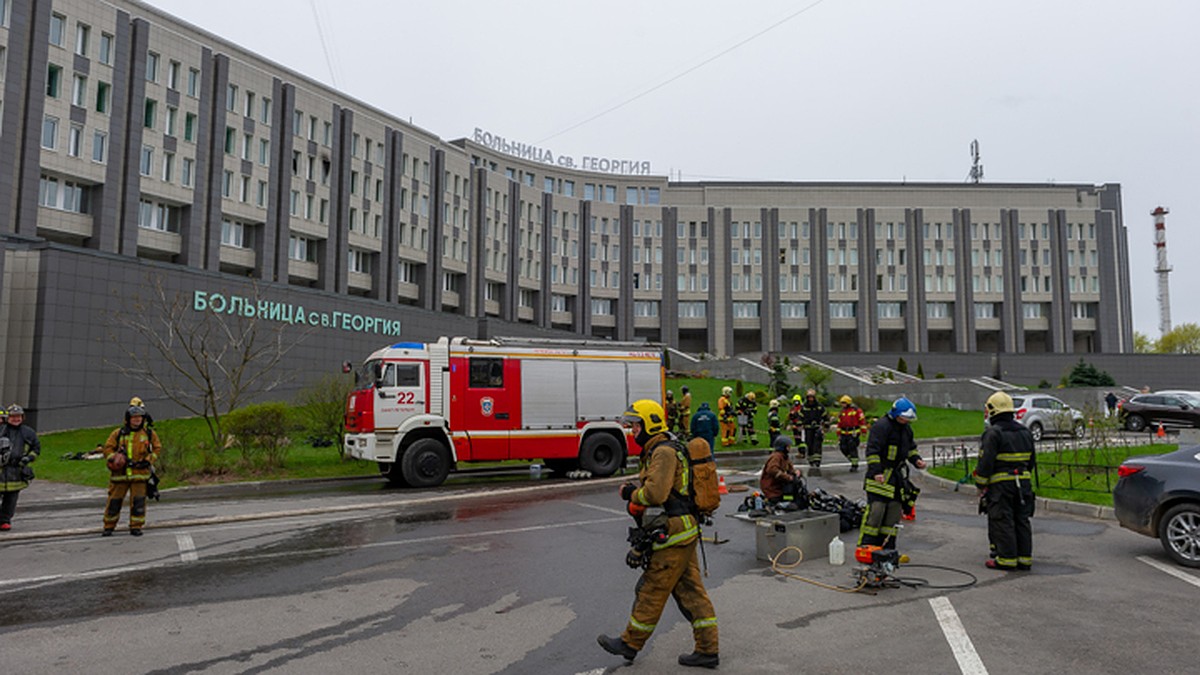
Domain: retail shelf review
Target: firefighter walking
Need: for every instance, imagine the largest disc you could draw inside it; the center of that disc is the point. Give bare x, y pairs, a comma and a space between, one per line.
889, 445
774, 426
1007, 458
672, 410
726, 418
812, 417
130, 451
851, 426
685, 412
796, 423
666, 519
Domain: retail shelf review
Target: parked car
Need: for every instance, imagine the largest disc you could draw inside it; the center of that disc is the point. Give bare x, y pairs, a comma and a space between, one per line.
1045, 414
1169, 410
1159, 496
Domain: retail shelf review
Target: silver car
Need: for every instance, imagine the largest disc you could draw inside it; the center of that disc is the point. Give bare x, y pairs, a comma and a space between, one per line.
1045, 414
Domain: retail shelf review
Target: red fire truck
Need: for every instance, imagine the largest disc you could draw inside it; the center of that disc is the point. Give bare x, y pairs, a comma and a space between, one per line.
419, 409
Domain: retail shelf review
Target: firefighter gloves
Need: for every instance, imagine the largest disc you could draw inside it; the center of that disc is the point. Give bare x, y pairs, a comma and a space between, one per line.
627, 490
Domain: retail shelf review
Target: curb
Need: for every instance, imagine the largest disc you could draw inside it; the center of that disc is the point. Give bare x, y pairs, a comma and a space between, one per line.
1045, 504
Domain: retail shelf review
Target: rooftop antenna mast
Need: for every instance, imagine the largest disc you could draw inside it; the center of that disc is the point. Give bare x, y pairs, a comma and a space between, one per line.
1162, 269
976, 174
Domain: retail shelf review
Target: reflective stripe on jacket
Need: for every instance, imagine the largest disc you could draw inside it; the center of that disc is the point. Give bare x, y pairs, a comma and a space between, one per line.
1006, 452
663, 472
889, 445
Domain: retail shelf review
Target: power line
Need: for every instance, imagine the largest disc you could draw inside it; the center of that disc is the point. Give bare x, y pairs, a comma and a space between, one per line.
324, 45
671, 79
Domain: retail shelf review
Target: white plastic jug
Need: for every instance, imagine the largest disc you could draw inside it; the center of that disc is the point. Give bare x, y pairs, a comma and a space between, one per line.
837, 551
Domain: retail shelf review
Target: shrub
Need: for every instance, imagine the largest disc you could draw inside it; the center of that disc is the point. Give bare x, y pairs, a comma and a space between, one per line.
321, 408
920, 370
1086, 375
260, 430
902, 365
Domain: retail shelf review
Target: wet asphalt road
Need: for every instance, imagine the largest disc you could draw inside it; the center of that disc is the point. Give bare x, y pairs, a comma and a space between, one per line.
518, 576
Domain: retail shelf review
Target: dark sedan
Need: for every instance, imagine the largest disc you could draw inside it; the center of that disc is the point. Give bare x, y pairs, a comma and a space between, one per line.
1169, 410
1159, 496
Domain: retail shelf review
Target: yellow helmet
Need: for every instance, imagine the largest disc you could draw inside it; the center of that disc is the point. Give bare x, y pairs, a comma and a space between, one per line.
846, 400
726, 391
999, 402
647, 413
774, 403
750, 395
797, 398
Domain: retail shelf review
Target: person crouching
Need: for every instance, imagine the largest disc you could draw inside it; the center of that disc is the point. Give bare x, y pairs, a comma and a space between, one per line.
782, 483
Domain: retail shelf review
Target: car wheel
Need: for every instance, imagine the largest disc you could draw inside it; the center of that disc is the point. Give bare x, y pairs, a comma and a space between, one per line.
1179, 531
1080, 430
1036, 430
425, 463
1135, 423
601, 455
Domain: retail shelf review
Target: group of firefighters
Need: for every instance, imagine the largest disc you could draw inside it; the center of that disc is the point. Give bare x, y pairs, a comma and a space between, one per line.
1006, 461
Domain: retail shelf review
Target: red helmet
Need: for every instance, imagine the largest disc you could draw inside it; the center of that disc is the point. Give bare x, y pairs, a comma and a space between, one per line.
116, 461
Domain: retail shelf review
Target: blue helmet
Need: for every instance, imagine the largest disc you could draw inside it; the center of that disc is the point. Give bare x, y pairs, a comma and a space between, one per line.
903, 408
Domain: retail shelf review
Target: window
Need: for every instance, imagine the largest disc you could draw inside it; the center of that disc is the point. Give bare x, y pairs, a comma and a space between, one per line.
156, 216
151, 112
890, 310
745, 310
302, 248
173, 75
227, 184
360, 261
985, 310
265, 111
102, 96
58, 26
842, 310
938, 310
248, 110
172, 116
264, 151
151, 67
53, 80
106, 49
168, 170
231, 98
79, 92
1031, 310
83, 35
99, 147
233, 233
75, 141
186, 171
486, 373
68, 196
193, 84
50, 133
146, 164
189, 127
230, 140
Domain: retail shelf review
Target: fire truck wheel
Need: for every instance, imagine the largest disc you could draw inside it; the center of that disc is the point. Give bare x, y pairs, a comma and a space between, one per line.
426, 463
391, 471
601, 455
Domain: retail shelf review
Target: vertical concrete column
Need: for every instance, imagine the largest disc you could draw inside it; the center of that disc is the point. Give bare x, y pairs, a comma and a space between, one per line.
335, 273
820, 337
214, 80
435, 267
1113, 322
1012, 317
131, 65
770, 315
867, 338
965, 340
668, 306
713, 328
915, 322
24, 111
723, 306
583, 307
1062, 337
279, 183
624, 309
477, 268
387, 278
541, 309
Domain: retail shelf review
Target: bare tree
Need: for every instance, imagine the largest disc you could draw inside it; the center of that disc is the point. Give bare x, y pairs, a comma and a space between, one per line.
208, 362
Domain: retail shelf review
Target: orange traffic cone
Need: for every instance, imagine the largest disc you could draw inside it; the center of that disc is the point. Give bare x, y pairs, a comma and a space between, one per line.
721, 489
1160, 433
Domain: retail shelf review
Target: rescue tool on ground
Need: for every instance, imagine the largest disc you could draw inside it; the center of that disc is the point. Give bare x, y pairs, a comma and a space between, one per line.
418, 409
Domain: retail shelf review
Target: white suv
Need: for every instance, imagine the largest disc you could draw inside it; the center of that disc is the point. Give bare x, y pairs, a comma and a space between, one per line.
1045, 414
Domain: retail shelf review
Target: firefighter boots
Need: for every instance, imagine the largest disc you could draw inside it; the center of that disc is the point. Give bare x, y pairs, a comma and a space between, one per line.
699, 660
615, 645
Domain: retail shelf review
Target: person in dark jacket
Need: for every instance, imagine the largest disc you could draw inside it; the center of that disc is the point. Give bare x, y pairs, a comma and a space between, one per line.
19, 447
704, 425
780, 479
813, 417
889, 445
1007, 458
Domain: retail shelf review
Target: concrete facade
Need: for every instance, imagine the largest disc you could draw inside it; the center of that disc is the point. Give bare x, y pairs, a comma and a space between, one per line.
140, 136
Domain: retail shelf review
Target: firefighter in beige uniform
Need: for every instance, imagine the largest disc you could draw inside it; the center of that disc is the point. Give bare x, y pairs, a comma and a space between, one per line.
673, 568
130, 452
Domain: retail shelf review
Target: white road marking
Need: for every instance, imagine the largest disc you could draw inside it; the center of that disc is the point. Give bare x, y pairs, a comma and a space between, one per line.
187, 548
605, 509
10, 585
956, 635
597, 671
1177, 573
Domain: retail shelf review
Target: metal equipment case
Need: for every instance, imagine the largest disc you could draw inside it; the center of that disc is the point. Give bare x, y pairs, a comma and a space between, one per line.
808, 530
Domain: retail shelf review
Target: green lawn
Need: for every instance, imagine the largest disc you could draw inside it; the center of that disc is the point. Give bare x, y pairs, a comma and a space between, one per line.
931, 422
1087, 475
181, 461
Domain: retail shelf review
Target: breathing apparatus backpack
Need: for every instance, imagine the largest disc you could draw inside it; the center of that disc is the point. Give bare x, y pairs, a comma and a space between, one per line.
704, 482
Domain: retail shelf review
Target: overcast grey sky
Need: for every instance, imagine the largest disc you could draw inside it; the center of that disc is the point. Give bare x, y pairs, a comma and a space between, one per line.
859, 90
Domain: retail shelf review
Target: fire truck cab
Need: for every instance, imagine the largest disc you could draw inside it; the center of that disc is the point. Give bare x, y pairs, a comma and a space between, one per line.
419, 409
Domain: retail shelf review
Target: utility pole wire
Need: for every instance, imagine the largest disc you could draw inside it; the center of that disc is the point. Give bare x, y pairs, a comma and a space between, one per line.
673, 78
324, 45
